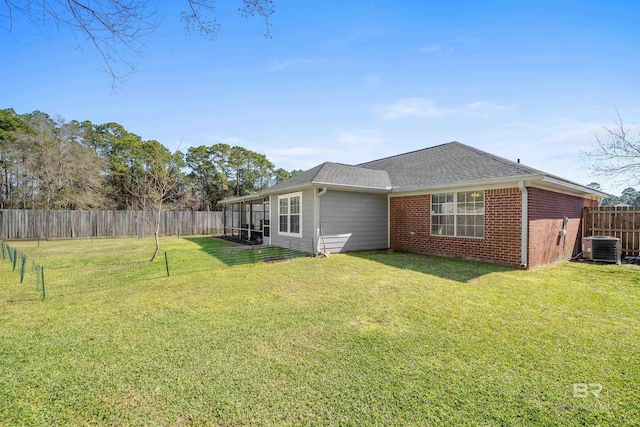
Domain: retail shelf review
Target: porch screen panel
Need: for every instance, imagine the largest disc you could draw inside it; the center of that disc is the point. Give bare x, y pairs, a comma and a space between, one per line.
228, 218
257, 212
267, 215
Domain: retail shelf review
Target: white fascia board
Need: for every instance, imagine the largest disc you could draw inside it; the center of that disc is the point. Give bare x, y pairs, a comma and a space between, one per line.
563, 190
572, 188
240, 199
286, 190
347, 187
488, 184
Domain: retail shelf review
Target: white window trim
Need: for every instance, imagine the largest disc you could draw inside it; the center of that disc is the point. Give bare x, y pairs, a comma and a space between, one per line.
288, 197
455, 215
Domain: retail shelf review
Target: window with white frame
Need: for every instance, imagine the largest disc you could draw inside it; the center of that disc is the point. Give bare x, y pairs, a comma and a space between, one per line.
289, 208
458, 214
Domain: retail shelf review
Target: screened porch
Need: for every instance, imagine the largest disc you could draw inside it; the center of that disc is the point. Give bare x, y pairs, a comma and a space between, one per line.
248, 221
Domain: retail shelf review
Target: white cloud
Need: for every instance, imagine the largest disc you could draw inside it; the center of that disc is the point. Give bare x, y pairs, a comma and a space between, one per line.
580, 137
360, 37
485, 108
554, 146
299, 157
218, 139
302, 151
416, 107
431, 49
436, 48
342, 146
465, 40
423, 108
281, 64
364, 138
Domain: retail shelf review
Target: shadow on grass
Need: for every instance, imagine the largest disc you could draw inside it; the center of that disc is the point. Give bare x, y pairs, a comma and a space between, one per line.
21, 299
231, 254
446, 268
207, 243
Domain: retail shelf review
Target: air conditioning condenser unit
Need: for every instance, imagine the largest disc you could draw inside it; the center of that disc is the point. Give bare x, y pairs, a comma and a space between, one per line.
601, 248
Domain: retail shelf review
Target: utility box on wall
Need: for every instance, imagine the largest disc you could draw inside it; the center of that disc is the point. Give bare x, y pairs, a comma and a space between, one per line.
601, 248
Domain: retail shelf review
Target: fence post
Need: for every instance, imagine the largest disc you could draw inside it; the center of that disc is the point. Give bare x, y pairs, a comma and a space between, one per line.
42, 272
166, 262
36, 269
15, 258
22, 267
2, 250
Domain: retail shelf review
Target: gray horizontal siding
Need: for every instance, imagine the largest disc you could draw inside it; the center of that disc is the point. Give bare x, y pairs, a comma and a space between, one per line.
304, 243
353, 221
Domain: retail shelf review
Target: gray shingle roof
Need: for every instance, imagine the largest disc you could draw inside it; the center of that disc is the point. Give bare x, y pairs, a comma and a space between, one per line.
301, 179
444, 165
337, 174
447, 164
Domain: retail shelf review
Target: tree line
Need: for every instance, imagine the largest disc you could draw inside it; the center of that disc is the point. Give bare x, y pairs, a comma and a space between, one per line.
51, 163
629, 196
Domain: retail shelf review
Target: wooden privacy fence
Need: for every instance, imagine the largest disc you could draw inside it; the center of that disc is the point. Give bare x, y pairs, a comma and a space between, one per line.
39, 224
620, 222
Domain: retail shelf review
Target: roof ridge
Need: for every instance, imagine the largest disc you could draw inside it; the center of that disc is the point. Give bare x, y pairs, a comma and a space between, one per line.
319, 168
343, 164
522, 167
408, 152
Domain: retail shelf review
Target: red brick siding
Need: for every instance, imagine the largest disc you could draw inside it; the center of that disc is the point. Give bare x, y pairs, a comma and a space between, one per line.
502, 231
546, 213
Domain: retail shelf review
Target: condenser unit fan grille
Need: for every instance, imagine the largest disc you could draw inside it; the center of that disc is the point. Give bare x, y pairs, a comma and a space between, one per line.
601, 248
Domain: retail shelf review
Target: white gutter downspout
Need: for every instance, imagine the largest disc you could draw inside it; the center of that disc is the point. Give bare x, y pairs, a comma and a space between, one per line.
524, 238
321, 193
319, 229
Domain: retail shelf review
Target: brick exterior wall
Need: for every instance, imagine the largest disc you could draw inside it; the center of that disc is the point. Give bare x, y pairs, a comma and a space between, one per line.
546, 214
410, 229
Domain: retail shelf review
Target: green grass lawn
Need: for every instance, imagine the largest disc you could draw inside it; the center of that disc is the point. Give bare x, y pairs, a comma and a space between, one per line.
361, 339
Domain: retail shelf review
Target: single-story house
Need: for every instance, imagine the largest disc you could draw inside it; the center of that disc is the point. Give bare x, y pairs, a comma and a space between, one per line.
451, 200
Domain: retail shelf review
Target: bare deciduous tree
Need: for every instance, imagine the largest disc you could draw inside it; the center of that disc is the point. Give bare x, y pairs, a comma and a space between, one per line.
616, 155
50, 169
115, 27
200, 16
156, 185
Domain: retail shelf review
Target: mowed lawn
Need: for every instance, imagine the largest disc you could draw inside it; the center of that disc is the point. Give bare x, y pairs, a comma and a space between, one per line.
362, 339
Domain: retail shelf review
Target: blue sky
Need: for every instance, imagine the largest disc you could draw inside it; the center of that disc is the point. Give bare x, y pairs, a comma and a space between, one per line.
355, 81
